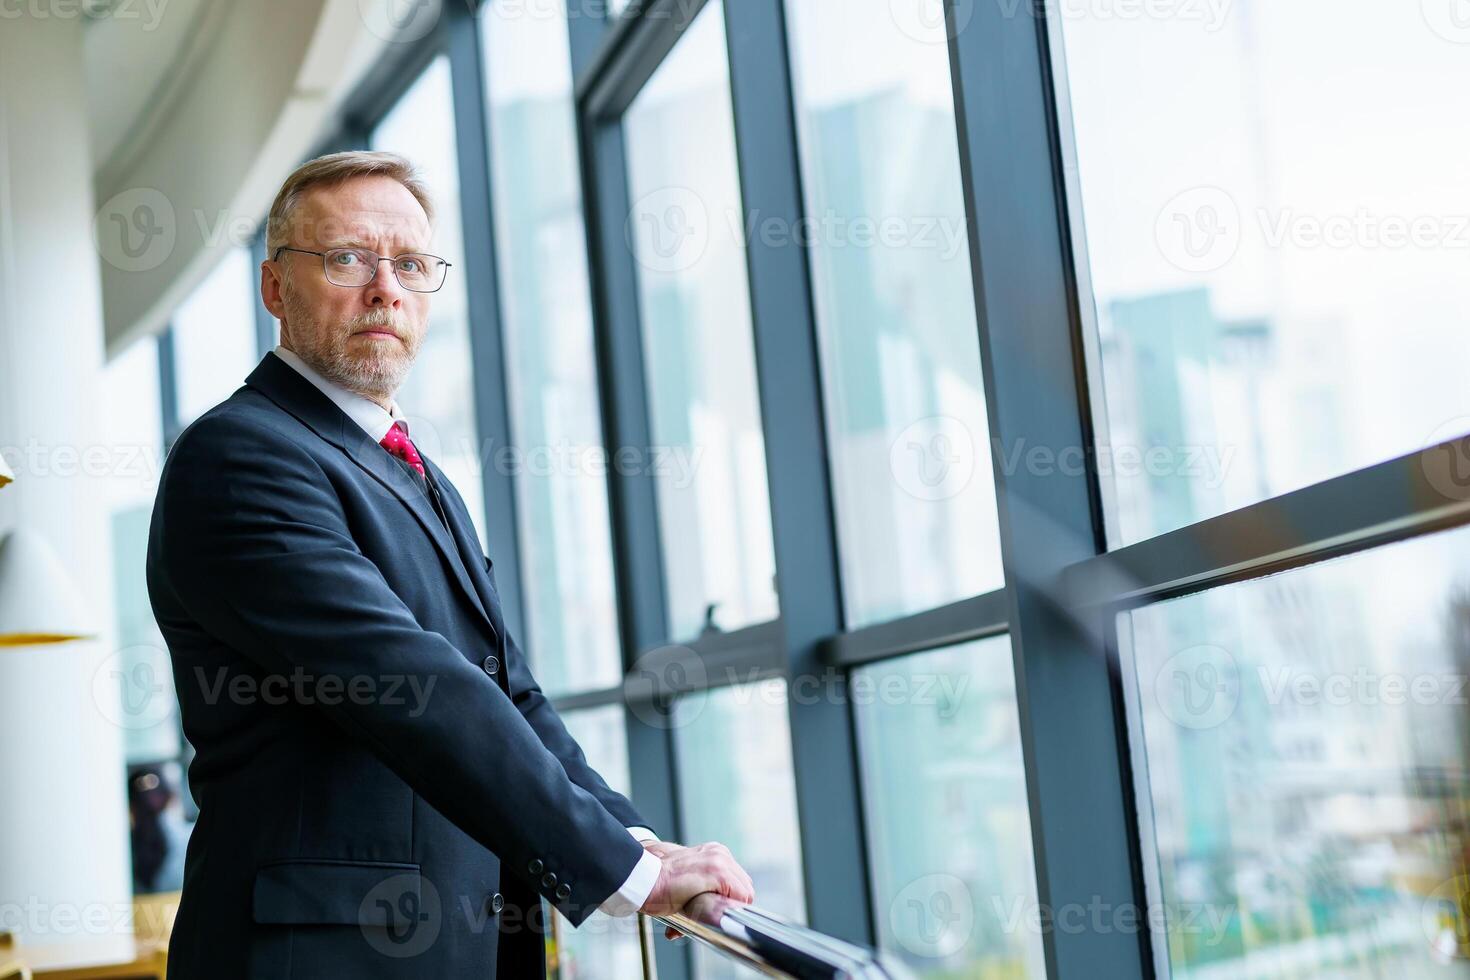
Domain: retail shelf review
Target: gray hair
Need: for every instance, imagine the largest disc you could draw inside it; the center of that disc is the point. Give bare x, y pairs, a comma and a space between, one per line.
334, 168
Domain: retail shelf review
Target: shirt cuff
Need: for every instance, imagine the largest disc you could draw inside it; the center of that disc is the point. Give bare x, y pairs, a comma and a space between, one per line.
641, 834
629, 898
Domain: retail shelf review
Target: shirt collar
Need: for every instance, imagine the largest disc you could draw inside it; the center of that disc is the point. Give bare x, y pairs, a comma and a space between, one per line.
368, 414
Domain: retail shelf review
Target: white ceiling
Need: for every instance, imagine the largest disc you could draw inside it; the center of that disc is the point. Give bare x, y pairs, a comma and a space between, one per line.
134, 56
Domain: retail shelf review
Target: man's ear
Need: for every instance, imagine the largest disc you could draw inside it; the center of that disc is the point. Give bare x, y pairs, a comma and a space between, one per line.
270, 290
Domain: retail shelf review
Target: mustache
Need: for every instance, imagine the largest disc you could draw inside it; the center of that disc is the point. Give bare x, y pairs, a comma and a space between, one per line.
378, 320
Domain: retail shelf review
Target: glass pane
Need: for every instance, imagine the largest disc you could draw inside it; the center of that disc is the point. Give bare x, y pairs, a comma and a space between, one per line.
1307, 745
1276, 224
546, 308
148, 707
132, 425
603, 947
709, 460
602, 734
949, 830
733, 769
133, 429
915, 494
214, 335
438, 398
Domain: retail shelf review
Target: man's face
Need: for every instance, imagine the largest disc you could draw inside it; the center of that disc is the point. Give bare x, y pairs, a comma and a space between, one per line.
362, 337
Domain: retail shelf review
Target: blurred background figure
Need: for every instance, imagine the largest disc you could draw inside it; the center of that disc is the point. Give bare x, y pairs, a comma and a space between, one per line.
159, 832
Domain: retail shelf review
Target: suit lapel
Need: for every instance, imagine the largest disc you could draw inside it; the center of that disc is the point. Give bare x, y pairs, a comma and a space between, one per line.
463, 530
283, 385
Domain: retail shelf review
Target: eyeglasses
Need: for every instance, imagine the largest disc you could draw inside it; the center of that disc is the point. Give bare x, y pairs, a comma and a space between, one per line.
418, 272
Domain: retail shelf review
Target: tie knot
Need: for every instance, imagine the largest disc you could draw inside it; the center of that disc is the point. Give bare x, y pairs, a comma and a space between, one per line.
396, 441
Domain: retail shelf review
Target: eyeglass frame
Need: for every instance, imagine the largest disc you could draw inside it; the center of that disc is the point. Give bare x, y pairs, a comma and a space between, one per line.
381, 258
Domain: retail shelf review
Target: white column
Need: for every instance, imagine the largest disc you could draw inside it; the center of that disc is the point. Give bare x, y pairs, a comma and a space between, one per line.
64, 856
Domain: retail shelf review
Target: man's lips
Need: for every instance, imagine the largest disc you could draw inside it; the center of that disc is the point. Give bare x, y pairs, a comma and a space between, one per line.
376, 333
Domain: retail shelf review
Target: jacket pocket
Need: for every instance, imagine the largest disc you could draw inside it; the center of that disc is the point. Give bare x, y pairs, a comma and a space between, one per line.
322, 891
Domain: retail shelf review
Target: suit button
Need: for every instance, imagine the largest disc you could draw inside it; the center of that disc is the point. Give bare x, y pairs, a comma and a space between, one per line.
491, 665
563, 891
495, 903
535, 866
548, 880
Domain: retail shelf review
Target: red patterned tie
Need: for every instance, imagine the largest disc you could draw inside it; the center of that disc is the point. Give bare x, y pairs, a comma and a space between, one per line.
398, 443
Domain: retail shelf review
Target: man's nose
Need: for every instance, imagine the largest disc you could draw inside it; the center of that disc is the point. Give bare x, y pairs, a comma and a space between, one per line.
384, 289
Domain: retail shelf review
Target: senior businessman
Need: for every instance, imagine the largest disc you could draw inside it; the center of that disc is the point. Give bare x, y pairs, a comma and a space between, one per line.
383, 789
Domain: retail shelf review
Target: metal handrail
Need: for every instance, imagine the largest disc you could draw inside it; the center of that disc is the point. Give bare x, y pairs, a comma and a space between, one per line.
769, 944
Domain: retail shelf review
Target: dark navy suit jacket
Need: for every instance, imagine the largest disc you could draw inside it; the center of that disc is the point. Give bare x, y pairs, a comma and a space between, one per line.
383, 789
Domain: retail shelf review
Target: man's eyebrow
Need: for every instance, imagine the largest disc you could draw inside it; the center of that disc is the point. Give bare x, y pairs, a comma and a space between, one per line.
359, 243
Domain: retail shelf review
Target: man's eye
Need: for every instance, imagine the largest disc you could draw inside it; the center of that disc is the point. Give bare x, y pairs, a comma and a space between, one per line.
409, 265
348, 258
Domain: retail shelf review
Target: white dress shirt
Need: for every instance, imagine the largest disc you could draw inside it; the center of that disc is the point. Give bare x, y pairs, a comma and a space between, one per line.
376, 422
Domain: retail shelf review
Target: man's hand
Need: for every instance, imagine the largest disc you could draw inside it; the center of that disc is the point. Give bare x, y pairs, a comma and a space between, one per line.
690, 871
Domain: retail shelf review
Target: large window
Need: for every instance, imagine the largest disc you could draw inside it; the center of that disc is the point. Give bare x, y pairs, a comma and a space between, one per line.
1307, 747
709, 459
438, 397
909, 439
1276, 228
546, 307
954, 889
214, 336
733, 753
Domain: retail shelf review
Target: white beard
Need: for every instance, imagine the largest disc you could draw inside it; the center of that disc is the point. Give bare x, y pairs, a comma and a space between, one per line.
376, 374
